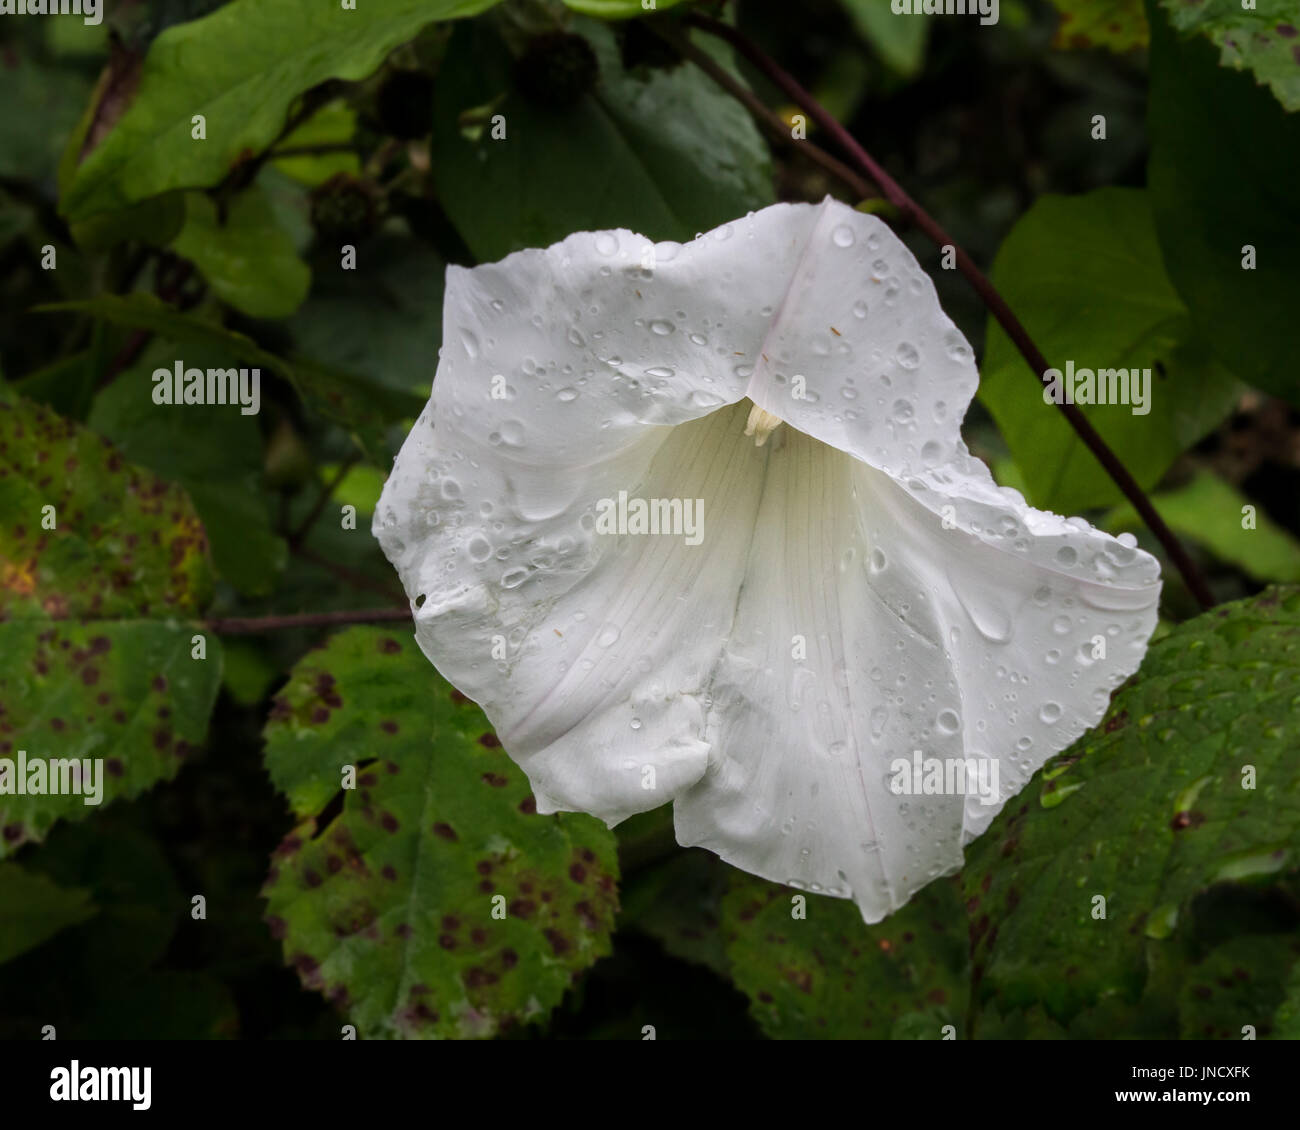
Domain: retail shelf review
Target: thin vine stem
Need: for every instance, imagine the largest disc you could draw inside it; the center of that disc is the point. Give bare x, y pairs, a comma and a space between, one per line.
993, 301
256, 625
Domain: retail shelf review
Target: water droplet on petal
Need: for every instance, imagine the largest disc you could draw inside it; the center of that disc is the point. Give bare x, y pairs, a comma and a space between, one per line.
907, 355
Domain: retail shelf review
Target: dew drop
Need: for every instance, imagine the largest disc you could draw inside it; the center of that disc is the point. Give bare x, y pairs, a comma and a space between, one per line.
907, 355
842, 236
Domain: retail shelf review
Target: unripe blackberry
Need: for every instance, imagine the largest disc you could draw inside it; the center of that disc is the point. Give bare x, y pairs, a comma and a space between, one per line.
344, 209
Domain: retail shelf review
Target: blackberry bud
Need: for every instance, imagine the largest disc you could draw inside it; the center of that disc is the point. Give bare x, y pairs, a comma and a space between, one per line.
344, 209
556, 70
404, 105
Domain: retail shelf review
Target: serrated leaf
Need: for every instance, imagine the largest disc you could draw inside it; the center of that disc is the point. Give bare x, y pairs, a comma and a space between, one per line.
1262, 38
829, 976
32, 908
1158, 814
241, 68
187, 444
667, 155
1237, 984
1222, 177
125, 543
1084, 274
124, 693
388, 908
121, 691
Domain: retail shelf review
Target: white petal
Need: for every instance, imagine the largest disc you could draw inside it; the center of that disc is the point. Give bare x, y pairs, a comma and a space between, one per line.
937, 612
955, 644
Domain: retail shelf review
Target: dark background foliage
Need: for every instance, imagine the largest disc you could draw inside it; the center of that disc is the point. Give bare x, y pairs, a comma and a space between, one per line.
222, 252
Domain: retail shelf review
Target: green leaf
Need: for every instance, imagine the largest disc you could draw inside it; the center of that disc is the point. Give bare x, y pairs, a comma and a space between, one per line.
1262, 39
667, 155
1084, 275
125, 694
1240, 983
1286, 1024
899, 40
620, 9
382, 320
1209, 511
331, 125
679, 904
42, 105
124, 543
213, 451
365, 409
1118, 25
829, 976
121, 691
32, 908
241, 68
388, 908
1222, 175
1155, 811
156, 221
249, 260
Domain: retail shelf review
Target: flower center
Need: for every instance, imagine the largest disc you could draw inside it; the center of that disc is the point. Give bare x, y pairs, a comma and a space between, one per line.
761, 424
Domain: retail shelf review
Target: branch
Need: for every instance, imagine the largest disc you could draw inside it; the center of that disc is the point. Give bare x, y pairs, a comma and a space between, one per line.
776, 126
994, 301
298, 536
255, 625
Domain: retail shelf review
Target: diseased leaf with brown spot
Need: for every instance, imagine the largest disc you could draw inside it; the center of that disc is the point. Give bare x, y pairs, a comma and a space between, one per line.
387, 907
125, 542
126, 693
1242, 982
830, 976
1263, 39
1148, 810
1119, 25
118, 689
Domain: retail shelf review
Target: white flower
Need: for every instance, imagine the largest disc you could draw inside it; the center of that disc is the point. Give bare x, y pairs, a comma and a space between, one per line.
860, 595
